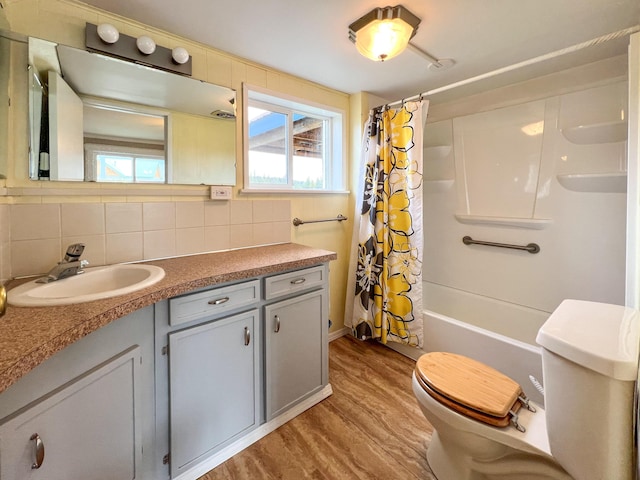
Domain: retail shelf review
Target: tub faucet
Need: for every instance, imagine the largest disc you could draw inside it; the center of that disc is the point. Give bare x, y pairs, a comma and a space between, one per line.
69, 266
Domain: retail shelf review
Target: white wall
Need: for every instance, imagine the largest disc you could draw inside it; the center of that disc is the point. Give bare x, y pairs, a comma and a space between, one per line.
495, 170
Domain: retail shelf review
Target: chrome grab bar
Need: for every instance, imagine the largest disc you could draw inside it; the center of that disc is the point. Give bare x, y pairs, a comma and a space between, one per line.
339, 218
531, 247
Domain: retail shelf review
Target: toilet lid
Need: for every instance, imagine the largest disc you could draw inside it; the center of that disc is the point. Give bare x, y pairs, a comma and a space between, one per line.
471, 384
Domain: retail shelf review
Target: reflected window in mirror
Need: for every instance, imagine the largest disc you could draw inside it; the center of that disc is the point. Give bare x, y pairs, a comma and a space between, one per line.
104, 163
291, 144
123, 146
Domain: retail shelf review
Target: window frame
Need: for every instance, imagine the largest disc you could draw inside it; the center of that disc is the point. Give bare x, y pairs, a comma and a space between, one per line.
92, 150
334, 138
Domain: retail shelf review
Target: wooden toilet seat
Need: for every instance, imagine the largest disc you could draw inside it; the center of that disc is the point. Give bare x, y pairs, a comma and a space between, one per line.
469, 387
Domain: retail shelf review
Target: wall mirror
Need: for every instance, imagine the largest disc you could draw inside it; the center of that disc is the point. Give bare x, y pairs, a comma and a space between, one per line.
97, 118
11, 47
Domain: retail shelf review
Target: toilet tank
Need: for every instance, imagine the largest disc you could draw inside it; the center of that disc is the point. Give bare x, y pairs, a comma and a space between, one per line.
590, 366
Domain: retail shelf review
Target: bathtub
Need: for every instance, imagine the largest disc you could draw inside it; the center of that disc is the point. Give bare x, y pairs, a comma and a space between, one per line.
497, 333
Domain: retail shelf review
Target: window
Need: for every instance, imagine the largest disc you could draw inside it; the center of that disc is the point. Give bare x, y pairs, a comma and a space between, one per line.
105, 163
290, 144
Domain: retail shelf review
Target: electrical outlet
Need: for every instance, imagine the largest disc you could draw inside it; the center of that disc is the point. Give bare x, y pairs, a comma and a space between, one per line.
220, 193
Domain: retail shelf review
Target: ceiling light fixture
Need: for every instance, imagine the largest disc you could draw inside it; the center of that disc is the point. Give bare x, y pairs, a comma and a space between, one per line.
383, 33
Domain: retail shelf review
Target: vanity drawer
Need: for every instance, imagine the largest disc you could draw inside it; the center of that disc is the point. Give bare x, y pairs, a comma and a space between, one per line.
213, 302
293, 282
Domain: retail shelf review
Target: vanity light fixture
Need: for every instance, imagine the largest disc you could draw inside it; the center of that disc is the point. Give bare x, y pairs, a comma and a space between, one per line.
108, 33
105, 38
180, 55
383, 33
146, 45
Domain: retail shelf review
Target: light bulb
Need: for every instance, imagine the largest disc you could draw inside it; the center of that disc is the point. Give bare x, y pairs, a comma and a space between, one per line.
180, 55
108, 33
146, 45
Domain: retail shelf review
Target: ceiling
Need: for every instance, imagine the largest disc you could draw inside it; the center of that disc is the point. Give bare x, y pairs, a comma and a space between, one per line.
308, 38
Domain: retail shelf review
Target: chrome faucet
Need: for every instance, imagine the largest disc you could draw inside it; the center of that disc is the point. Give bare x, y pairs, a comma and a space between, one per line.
69, 266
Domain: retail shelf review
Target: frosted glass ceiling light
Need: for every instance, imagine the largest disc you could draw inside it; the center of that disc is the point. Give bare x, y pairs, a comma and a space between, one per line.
383, 33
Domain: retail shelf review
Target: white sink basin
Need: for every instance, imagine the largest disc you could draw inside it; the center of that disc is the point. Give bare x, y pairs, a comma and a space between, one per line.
94, 284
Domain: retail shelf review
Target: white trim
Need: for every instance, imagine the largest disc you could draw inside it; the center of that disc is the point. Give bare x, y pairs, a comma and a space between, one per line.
633, 175
339, 333
105, 189
335, 171
263, 430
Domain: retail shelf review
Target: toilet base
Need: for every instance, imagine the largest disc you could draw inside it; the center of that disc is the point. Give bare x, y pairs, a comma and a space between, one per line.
448, 462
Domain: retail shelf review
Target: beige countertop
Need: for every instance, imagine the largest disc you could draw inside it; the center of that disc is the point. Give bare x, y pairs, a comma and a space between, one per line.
29, 335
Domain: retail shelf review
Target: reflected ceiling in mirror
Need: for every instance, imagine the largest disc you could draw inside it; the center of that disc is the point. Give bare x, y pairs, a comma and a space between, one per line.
85, 106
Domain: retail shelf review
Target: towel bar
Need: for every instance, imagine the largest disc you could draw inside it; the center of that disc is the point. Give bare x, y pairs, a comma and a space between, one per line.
339, 218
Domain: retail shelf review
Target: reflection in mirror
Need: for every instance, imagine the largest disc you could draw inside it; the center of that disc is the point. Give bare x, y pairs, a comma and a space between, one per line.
13, 51
5, 45
101, 119
123, 146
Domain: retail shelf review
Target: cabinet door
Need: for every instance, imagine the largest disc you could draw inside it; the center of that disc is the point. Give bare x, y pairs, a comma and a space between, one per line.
296, 350
213, 383
89, 429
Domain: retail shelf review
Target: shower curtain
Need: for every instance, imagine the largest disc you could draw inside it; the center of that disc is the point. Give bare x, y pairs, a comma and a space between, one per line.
386, 256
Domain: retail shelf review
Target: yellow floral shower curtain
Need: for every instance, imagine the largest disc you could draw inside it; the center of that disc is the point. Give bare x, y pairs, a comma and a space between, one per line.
388, 250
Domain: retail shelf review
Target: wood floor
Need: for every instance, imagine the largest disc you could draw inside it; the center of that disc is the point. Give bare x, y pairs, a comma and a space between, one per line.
370, 428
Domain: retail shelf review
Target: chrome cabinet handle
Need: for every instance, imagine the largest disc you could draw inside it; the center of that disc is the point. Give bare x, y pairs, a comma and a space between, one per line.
277, 329
38, 450
298, 281
247, 336
219, 301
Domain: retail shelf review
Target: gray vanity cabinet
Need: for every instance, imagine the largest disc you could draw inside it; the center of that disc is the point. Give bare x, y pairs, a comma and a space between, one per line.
296, 332
208, 381
88, 429
214, 386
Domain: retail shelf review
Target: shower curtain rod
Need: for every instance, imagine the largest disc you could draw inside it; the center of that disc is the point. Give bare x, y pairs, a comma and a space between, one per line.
515, 66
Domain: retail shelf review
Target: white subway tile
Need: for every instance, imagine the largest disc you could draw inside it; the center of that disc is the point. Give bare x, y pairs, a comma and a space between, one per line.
189, 214
189, 240
82, 219
217, 213
241, 212
35, 221
217, 238
159, 244
158, 216
124, 247
123, 217
32, 257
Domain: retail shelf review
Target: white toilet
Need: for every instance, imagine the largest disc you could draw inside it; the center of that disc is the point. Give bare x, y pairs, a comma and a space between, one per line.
584, 432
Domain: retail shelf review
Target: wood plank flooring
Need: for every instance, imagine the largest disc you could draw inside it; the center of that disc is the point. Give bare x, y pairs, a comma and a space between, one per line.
370, 428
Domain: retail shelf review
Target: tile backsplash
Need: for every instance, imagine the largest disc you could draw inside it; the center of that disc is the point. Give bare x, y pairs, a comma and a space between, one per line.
33, 237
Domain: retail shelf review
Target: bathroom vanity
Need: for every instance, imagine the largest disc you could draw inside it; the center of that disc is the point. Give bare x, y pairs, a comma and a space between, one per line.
170, 381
